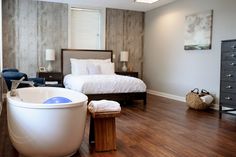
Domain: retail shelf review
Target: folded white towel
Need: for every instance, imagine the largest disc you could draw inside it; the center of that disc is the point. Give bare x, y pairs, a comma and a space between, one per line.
207, 99
104, 106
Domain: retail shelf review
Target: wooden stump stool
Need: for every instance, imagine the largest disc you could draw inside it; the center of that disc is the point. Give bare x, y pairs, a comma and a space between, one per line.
103, 130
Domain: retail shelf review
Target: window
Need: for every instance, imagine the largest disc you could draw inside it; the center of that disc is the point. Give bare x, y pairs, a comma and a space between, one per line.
85, 29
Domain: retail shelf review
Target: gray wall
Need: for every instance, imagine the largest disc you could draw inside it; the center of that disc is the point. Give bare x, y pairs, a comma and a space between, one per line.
30, 27
124, 31
168, 68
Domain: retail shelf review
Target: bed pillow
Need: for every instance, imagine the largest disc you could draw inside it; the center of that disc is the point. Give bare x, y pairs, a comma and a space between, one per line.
93, 69
99, 60
78, 67
107, 68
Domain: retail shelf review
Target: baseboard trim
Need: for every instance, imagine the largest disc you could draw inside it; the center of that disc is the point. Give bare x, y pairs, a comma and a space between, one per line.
175, 97
166, 95
215, 106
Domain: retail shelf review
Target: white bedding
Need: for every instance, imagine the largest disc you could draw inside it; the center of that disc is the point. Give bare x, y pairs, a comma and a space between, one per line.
100, 84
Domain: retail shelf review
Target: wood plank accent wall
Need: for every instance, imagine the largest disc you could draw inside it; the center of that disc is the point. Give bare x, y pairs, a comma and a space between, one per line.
30, 27
124, 31
9, 32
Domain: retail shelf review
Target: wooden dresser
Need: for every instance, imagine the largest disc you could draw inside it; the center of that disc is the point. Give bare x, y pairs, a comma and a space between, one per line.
228, 77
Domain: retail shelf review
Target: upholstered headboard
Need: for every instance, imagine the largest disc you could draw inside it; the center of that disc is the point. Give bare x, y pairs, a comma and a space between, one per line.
66, 54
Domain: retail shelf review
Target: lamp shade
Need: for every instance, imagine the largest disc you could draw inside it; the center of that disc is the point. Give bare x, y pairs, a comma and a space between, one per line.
124, 56
50, 54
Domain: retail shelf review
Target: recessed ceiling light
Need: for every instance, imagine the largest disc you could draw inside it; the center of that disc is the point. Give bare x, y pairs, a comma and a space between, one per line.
146, 1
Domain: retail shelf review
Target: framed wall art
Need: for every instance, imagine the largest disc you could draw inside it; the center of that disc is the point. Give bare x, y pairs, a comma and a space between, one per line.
198, 31
42, 69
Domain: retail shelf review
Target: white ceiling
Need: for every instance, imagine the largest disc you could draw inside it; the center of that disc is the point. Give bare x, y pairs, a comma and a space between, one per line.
118, 4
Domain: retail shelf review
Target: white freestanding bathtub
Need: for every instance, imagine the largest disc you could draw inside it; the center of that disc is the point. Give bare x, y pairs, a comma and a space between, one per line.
46, 130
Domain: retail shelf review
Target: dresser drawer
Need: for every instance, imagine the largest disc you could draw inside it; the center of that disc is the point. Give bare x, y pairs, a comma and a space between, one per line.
228, 75
228, 46
229, 65
229, 56
228, 99
228, 87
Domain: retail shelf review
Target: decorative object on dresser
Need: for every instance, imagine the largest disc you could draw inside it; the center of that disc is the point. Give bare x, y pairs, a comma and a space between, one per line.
228, 77
124, 57
53, 79
128, 73
50, 56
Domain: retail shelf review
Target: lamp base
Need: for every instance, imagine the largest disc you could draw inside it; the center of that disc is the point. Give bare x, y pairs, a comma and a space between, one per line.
49, 68
124, 67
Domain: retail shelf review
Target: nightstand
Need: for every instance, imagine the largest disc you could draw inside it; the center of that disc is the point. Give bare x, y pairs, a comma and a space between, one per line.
128, 73
51, 78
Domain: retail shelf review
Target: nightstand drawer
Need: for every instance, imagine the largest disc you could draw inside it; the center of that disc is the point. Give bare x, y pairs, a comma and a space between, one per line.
51, 76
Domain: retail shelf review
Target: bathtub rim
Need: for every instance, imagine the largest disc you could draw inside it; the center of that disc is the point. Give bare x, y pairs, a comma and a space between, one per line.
22, 104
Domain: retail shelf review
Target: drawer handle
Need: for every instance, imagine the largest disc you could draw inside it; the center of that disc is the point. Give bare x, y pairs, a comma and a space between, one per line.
50, 76
228, 98
229, 75
232, 55
232, 64
228, 87
233, 47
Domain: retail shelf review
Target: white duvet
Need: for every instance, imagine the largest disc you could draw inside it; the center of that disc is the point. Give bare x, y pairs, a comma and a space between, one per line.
100, 84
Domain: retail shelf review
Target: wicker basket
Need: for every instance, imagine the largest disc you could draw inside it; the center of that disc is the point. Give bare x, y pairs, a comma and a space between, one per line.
194, 101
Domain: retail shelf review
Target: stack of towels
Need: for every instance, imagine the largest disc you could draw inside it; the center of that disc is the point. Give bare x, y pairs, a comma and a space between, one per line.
104, 106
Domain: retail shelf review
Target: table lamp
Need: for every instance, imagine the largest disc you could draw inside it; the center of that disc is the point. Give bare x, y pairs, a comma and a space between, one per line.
50, 56
124, 56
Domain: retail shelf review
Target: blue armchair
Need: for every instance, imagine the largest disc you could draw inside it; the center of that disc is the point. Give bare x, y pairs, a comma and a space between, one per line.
14, 74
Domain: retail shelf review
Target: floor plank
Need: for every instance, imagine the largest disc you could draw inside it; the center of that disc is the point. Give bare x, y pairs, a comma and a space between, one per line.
166, 129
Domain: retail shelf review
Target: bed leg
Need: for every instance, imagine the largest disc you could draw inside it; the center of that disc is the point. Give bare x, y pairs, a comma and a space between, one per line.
220, 112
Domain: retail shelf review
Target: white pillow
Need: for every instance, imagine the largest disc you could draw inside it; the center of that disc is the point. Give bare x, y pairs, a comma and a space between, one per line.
107, 68
83, 66
96, 61
78, 67
93, 69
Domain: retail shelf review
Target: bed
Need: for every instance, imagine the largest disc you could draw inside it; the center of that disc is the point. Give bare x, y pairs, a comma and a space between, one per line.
72, 82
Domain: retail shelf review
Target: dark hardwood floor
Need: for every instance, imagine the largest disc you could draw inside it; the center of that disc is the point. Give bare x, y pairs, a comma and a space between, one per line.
166, 129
